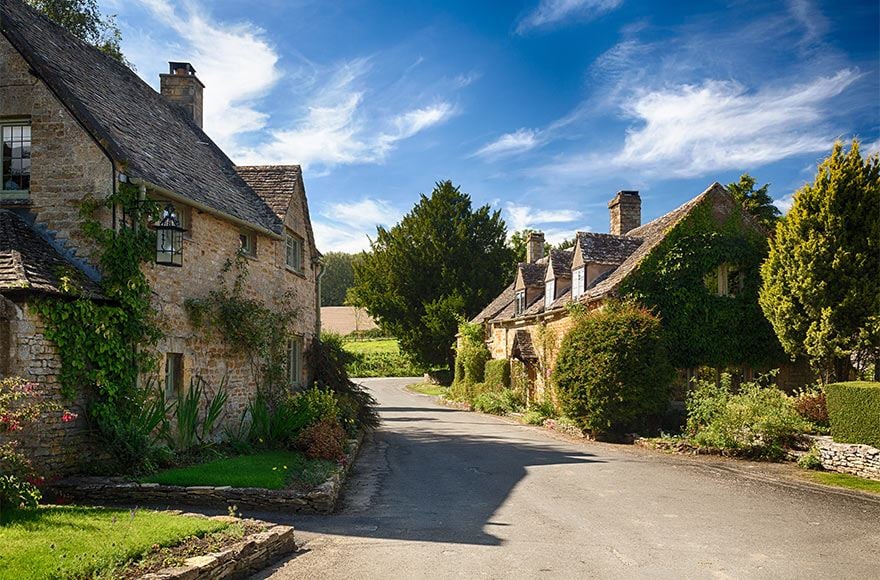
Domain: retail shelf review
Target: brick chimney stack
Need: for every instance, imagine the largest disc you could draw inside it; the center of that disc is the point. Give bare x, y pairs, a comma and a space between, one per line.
184, 89
626, 212
534, 247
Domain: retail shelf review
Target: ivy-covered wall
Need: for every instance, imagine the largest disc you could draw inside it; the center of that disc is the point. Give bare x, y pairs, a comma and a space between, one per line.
701, 327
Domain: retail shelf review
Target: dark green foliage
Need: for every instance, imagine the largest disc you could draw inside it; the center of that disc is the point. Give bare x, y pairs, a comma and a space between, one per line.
83, 19
756, 420
700, 327
443, 261
330, 361
338, 277
755, 201
470, 362
613, 372
17, 494
497, 374
821, 281
854, 412
196, 416
499, 402
277, 424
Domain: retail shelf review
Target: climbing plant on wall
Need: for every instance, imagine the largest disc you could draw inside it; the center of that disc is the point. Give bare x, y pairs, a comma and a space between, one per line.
701, 327
105, 344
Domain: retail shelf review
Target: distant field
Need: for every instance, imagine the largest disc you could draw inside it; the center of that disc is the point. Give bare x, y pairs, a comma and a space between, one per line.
381, 346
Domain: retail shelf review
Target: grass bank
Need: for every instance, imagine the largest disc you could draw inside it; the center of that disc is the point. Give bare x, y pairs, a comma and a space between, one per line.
79, 542
379, 358
426, 389
843, 480
267, 470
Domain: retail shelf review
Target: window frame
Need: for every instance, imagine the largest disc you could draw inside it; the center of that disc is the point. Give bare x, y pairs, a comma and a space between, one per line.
549, 293
7, 194
298, 250
251, 249
520, 302
578, 287
295, 346
173, 375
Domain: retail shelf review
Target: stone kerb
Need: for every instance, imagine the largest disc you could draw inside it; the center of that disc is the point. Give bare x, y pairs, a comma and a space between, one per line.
320, 500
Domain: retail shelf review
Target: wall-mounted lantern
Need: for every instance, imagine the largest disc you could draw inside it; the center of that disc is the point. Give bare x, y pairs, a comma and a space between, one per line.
169, 238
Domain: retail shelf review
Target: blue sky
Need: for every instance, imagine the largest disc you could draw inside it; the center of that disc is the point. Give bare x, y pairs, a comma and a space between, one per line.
542, 108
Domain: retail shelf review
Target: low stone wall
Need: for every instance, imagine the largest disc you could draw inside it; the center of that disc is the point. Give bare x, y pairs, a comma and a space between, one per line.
321, 500
241, 560
861, 460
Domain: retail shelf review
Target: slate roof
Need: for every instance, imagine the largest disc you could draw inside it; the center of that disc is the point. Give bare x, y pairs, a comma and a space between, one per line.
148, 137
281, 187
606, 248
533, 274
522, 347
561, 260
496, 306
29, 263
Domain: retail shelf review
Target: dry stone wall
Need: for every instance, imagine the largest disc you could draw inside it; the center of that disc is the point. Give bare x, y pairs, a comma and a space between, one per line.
860, 460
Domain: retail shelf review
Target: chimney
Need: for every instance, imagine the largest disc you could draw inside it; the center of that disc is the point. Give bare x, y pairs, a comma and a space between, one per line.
626, 212
534, 247
181, 87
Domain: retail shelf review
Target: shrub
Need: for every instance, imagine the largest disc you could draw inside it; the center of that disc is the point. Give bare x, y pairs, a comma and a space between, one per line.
854, 412
196, 415
756, 421
16, 493
811, 405
497, 374
330, 361
613, 373
323, 440
812, 459
470, 362
498, 402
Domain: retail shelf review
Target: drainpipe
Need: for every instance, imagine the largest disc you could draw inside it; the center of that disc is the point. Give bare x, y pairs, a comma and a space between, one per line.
320, 266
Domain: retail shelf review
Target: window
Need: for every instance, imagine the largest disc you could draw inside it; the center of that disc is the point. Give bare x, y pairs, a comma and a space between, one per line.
725, 280
16, 159
173, 375
577, 283
549, 293
248, 243
293, 253
294, 361
520, 302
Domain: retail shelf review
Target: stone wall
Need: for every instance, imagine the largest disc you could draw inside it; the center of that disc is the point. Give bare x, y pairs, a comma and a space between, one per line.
860, 460
55, 447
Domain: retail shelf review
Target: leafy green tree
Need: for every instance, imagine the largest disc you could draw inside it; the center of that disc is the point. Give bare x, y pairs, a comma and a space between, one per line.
442, 262
338, 278
756, 201
821, 280
84, 19
566, 244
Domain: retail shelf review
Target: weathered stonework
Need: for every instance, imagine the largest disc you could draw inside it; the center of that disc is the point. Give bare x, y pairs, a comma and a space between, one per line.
321, 500
860, 460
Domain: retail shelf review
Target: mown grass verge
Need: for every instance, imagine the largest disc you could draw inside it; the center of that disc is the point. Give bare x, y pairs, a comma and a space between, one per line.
843, 480
267, 470
426, 389
78, 542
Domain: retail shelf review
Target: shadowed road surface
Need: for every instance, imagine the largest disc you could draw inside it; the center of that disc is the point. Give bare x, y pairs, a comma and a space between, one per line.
441, 493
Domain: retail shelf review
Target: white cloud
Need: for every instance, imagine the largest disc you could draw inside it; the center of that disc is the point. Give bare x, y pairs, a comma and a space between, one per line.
519, 217
550, 12
784, 203
690, 130
810, 17
519, 141
347, 227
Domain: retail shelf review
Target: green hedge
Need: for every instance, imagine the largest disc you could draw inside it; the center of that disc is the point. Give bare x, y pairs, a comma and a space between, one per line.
497, 374
854, 412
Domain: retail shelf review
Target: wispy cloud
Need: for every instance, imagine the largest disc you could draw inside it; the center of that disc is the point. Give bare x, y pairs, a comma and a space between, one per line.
520, 216
348, 226
551, 12
810, 17
519, 141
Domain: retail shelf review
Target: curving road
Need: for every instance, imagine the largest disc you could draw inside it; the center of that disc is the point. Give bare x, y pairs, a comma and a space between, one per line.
441, 493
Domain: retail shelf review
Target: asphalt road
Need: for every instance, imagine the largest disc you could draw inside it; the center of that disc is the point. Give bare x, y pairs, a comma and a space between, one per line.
441, 493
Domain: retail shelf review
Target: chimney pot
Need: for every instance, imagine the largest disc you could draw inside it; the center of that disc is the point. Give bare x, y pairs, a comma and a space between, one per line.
625, 211
534, 247
181, 87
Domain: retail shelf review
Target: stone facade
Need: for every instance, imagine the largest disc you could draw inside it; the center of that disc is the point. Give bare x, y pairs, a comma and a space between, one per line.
860, 460
67, 166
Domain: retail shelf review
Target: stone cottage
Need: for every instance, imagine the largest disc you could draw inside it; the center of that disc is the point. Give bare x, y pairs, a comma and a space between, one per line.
76, 123
529, 319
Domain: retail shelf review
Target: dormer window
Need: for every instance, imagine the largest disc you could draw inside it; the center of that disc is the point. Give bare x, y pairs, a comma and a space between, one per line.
247, 243
578, 277
520, 302
16, 173
726, 280
549, 293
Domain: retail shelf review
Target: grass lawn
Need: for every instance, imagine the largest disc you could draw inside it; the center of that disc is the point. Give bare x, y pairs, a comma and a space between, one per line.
844, 480
268, 469
383, 346
67, 541
426, 389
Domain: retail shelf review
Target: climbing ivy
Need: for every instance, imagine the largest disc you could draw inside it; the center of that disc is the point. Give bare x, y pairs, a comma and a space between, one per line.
248, 326
104, 344
702, 328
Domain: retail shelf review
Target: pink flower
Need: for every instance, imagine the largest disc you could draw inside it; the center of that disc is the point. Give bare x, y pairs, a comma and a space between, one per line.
67, 416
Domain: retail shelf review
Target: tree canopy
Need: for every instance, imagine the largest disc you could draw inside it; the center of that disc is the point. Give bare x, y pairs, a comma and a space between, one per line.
443, 261
821, 280
84, 19
755, 201
338, 277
